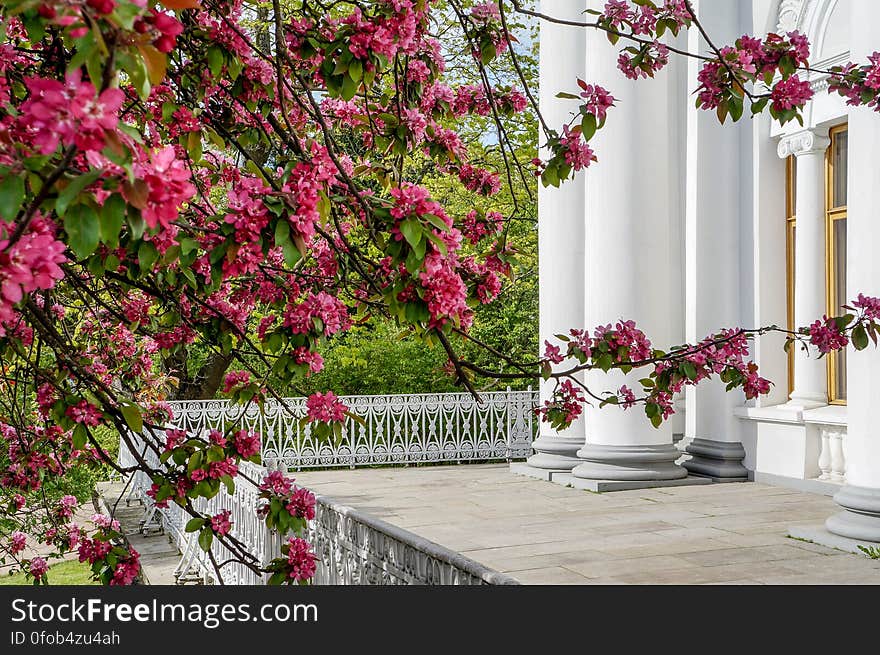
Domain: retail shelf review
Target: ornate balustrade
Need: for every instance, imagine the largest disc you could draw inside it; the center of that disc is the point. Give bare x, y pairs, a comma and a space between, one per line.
353, 548
397, 429
832, 454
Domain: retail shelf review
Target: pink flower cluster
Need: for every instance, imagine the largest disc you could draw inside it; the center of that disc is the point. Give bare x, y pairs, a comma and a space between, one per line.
163, 27
870, 307
17, 542
598, 100
576, 151
860, 85
235, 379
827, 336
325, 407
220, 522
642, 20
246, 443
70, 113
750, 58
566, 405
38, 568
790, 94
476, 226
303, 355
479, 180
653, 58
84, 412
29, 264
329, 310
300, 559
167, 187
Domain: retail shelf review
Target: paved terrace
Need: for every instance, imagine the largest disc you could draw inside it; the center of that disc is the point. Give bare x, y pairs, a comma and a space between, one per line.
543, 533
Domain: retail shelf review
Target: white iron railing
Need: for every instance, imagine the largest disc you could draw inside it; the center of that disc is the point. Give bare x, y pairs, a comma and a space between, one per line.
353, 548
396, 429
195, 564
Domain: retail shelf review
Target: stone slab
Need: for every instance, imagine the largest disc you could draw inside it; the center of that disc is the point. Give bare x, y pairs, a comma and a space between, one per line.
603, 486
817, 534
641, 536
539, 474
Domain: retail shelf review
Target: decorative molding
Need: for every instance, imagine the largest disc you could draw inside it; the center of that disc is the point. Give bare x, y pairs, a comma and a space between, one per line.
790, 15
802, 143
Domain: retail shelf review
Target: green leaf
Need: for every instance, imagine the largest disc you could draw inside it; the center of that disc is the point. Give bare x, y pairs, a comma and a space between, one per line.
588, 126
567, 96
112, 215
206, 538
132, 415
83, 230
73, 189
412, 231
194, 524
80, 435
11, 196
215, 60
147, 256
860, 337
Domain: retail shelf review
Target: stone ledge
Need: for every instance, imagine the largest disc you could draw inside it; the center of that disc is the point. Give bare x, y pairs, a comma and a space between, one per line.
818, 534
566, 479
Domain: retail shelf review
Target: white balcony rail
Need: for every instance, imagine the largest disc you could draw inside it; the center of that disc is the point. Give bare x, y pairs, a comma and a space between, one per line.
394, 429
353, 548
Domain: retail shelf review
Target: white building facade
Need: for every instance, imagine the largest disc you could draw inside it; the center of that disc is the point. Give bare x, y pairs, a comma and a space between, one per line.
686, 226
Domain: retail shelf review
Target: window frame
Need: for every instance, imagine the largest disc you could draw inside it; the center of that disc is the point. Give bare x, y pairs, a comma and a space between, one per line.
790, 225
832, 214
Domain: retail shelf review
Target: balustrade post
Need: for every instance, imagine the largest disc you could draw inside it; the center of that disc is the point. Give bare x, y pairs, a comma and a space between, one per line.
825, 455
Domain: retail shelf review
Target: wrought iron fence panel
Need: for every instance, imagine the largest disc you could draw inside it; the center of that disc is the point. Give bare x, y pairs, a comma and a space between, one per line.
394, 429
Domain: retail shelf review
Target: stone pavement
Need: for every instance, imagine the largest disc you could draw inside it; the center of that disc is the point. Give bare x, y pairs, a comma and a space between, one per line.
544, 533
159, 557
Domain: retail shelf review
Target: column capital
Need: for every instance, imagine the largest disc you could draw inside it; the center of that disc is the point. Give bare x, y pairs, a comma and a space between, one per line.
802, 143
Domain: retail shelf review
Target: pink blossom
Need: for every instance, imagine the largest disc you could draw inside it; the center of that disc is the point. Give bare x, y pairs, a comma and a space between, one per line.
84, 412
325, 407
790, 94
167, 185
18, 541
247, 444
301, 559
598, 100
220, 522
277, 483
235, 379
38, 567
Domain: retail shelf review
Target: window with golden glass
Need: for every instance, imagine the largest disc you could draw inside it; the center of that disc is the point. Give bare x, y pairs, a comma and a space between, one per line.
790, 213
836, 164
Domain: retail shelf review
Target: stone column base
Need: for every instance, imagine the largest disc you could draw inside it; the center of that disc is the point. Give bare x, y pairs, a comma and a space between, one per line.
860, 518
555, 453
629, 463
716, 459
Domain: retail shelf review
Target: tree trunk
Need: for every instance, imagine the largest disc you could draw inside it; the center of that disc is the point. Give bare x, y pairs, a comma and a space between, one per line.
206, 382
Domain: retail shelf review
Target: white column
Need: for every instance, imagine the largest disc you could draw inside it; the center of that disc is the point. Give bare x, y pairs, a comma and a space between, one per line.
560, 223
633, 200
714, 206
810, 372
860, 498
